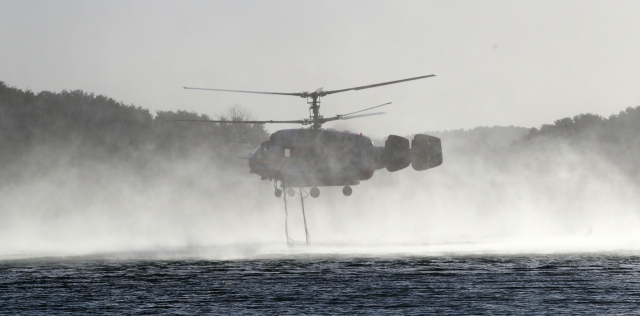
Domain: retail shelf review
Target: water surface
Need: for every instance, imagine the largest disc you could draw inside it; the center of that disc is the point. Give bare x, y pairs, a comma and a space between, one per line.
594, 284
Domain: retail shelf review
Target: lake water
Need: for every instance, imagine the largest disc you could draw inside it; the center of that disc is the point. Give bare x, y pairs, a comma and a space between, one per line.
307, 283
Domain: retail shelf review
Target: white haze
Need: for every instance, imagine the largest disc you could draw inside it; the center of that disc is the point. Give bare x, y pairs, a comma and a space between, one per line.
546, 199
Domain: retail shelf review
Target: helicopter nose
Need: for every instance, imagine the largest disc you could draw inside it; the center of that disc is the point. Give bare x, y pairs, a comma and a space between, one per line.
255, 159
255, 166
252, 161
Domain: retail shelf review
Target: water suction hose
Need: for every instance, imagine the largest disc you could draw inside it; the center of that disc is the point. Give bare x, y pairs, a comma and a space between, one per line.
286, 220
306, 231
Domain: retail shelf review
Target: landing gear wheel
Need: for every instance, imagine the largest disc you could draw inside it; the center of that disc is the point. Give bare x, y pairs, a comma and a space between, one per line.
315, 192
278, 193
291, 192
347, 190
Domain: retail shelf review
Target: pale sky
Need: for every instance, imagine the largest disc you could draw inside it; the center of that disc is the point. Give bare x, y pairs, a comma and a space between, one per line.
496, 62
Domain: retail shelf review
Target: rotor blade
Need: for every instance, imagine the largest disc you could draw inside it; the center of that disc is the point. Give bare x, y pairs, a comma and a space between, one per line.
376, 85
243, 122
377, 106
362, 115
341, 117
300, 94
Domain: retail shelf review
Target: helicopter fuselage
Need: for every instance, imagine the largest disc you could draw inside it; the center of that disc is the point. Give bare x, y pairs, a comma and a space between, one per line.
311, 157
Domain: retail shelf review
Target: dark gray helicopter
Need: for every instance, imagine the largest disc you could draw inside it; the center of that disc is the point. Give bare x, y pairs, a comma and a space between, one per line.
316, 157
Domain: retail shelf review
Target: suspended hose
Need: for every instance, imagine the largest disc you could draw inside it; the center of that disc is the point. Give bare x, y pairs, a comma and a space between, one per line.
306, 232
286, 220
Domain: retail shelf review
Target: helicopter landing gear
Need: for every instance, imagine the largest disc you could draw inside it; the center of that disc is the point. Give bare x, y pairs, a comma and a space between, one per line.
277, 192
315, 192
347, 190
291, 192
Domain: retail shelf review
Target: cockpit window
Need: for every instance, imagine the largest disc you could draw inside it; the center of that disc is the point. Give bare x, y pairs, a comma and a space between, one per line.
262, 152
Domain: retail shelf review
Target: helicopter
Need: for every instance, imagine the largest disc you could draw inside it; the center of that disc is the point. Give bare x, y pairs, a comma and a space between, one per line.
314, 157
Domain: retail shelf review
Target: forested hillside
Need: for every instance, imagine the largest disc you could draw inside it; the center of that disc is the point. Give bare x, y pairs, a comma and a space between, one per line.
76, 128
615, 139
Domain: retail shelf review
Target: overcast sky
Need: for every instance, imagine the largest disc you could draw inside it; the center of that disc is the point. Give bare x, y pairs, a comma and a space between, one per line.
496, 62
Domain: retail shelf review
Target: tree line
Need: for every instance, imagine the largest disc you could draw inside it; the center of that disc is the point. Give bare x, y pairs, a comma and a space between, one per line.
89, 127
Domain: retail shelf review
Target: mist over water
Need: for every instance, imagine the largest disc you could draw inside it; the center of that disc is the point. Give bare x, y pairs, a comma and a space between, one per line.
555, 201
494, 193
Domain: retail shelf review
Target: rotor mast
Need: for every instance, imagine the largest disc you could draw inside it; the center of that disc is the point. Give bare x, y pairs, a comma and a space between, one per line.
316, 119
